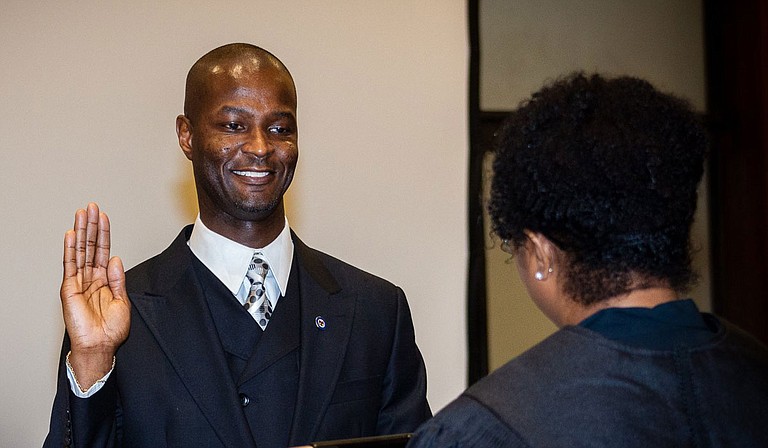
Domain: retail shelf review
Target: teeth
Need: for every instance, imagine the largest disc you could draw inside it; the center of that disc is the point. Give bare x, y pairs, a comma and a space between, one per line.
252, 173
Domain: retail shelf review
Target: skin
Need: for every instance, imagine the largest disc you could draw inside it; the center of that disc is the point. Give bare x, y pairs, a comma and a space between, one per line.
94, 301
239, 131
242, 121
539, 254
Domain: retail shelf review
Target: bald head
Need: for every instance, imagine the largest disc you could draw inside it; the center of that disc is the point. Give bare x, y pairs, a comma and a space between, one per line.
231, 61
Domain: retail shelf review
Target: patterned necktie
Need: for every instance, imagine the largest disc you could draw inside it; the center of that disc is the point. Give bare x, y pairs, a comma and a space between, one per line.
257, 303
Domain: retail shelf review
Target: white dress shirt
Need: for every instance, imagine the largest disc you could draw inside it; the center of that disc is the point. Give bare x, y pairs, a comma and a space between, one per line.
228, 260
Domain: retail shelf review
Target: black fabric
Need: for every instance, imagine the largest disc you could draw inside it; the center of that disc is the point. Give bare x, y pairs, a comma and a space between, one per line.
360, 374
667, 326
578, 389
243, 342
237, 330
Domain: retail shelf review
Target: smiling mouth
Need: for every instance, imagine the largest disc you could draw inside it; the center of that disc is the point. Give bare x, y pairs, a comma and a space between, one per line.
252, 173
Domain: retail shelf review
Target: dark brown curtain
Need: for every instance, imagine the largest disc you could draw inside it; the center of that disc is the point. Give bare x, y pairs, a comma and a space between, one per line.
737, 82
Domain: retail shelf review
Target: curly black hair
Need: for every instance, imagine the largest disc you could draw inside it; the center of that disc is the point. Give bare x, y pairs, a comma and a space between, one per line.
607, 169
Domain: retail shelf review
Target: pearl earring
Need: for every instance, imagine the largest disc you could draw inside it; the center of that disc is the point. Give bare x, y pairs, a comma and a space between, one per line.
538, 276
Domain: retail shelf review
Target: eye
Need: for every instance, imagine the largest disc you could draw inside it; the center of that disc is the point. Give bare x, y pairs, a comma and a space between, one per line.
233, 126
280, 130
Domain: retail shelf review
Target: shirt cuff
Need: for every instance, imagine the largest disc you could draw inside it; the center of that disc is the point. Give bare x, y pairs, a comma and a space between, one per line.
75, 386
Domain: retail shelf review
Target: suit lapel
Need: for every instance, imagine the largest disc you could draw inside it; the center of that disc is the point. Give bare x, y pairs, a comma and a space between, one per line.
180, 321
326, 320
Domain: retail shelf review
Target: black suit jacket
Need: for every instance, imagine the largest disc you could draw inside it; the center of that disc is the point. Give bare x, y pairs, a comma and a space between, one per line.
358, 374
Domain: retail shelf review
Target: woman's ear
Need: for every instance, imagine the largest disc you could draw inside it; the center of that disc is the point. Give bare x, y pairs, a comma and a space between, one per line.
543, 254
537, 264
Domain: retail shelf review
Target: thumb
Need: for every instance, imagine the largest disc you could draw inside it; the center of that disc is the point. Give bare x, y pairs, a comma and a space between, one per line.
116, 278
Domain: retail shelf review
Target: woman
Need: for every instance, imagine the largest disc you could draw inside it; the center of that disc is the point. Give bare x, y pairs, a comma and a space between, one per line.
594, 192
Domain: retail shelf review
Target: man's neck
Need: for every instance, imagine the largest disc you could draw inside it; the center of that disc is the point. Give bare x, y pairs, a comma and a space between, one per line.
257, 233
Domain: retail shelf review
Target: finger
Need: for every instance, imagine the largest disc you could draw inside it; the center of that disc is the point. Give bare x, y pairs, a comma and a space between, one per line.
70, 257
91, 234
79, 229
116, 278
102, 242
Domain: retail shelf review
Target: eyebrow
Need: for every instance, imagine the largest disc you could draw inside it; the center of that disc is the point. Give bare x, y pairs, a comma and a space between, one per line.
244, 111
236, 110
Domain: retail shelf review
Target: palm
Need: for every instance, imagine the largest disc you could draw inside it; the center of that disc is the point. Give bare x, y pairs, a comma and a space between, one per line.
94, 300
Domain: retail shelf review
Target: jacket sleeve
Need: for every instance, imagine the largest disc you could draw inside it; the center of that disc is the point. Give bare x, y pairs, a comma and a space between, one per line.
81, 422
404, 403
466, 422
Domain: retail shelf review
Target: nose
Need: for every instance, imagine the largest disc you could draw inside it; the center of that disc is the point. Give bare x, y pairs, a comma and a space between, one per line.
257, 144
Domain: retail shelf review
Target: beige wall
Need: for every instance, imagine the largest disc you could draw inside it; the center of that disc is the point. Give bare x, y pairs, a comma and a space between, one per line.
527, 42
89, 91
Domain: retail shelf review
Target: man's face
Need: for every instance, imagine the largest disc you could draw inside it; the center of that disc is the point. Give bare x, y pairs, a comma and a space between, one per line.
243, 142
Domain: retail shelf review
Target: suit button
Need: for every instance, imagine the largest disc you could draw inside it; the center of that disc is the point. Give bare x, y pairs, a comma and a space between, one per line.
244, 400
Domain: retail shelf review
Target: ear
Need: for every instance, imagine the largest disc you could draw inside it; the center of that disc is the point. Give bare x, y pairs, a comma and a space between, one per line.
543, 253
184, 133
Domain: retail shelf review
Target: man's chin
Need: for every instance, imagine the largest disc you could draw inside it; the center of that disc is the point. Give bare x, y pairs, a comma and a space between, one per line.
257, 212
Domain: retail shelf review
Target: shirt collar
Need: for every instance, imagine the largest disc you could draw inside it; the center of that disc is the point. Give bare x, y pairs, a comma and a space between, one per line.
666, 326
228, 260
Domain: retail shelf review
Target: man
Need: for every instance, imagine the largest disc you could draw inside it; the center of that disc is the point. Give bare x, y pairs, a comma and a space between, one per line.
238, 334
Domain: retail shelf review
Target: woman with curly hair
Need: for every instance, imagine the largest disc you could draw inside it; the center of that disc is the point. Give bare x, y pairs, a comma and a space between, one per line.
594, 193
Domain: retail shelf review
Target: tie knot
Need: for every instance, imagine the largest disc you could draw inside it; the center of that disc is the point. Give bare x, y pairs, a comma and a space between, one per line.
257, 268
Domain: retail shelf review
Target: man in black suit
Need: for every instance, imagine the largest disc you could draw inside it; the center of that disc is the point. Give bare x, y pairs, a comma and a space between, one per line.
238, 334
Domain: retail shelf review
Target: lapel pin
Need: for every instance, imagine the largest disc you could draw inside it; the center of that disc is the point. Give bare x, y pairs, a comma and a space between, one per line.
320, 322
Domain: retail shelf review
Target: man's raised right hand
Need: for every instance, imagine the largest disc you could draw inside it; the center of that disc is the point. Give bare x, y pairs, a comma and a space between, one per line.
97, 312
